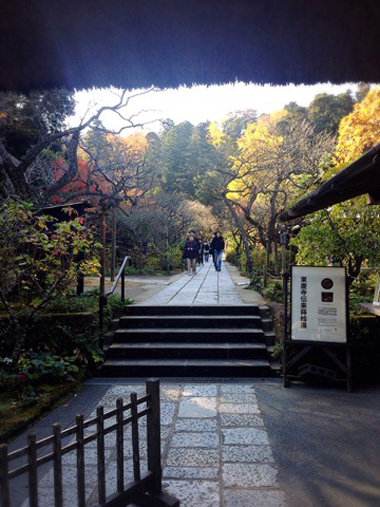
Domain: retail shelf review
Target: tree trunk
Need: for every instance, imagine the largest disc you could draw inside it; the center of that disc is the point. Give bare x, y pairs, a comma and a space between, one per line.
275, 254
266, 267
242, 232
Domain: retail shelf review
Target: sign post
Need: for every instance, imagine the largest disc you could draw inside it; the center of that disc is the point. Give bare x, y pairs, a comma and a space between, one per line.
318, 325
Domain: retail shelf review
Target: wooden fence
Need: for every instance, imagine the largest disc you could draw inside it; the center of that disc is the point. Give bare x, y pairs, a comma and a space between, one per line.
145, 489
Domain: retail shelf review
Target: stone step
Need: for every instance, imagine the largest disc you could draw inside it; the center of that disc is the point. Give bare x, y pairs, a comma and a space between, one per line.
184, 310
186, 368
186, 335
174, 350
195, 321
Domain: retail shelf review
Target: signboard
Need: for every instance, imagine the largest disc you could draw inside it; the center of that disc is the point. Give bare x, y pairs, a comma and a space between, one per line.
319, 304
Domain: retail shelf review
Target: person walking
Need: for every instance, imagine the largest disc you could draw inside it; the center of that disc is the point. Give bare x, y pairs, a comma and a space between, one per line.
217, 246
207, 251
200, 252
191, 254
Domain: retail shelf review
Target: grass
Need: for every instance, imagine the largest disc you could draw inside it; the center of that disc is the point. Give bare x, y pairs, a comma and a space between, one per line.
16, 416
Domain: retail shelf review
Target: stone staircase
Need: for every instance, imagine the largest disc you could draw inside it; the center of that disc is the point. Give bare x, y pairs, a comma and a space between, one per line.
191, 341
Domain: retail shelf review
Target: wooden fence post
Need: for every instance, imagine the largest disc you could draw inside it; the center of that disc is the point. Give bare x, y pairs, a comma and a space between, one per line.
135, 438
57, 451
81, 490
32, 471
4, 479
100, 456
120, 445
154, 433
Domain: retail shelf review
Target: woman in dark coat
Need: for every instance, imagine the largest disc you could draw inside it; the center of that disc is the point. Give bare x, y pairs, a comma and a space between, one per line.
190, 253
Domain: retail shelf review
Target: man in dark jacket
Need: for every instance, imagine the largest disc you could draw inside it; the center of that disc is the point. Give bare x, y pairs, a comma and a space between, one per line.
217, 246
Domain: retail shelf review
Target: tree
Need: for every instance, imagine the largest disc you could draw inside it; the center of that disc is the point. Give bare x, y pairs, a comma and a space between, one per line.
348, 234
16, 174
27, 119
41, 259
325, 111
237, 122
362, 91
276, 161
176, 174
360, 130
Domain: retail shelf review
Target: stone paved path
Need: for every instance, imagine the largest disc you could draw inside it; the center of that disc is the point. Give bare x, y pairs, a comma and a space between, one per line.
206, 287
215, 449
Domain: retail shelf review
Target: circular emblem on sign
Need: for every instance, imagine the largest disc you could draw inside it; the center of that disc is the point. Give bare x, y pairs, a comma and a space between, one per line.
327, 283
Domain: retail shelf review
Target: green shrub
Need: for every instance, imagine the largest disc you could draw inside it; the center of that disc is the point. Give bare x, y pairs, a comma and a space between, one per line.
258, 258
273, 292
77, 304
233, 258
257, 281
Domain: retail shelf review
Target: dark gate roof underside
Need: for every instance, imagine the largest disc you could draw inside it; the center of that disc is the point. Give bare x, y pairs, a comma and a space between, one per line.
166, 43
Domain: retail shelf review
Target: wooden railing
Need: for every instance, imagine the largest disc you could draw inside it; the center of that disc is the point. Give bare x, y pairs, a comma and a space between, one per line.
144, 489
104, 297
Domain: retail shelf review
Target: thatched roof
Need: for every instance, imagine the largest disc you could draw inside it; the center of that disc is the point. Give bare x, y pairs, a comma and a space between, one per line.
137, 43
360, 177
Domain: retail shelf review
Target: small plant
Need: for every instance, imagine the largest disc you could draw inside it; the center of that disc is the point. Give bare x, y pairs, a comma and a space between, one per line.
273, 292
277, 349
257, 282
35, 366
28, 396
77, 304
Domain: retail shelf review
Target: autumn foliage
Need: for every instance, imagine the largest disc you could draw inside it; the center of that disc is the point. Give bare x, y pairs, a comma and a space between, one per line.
360, 130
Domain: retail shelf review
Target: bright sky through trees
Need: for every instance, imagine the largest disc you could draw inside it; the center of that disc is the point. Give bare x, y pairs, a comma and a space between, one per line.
202, 103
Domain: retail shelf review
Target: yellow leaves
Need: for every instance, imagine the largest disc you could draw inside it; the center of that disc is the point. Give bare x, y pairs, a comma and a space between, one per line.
360, 130
216, 137
41, 224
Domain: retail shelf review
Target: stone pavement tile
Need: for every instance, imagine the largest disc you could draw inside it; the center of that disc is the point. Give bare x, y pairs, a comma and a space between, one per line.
46, 496
111, 473
170, 393
109, 440
246, 436
90, 457
205, 439
200, 390
181, 457
254, 498
190, 473
167, 413
126, 390
69, 477
196, 425
240, 420
247, 454
197, 407
239, 408
248, 475
237, 389
193, 493
238, 398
